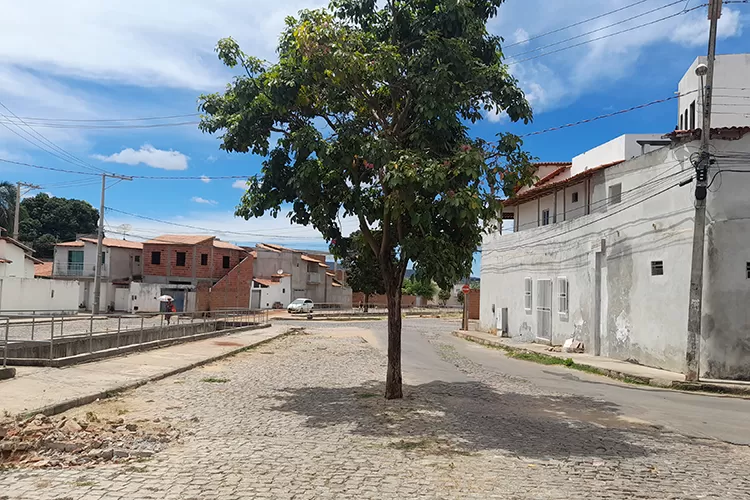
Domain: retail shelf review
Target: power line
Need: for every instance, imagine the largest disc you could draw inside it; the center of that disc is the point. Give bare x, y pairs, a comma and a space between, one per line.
558, 30
70, 157
632, 28
97, 120
104, 127
597, 30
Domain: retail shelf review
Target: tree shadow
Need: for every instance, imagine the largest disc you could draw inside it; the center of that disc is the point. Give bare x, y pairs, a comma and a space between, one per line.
471, 416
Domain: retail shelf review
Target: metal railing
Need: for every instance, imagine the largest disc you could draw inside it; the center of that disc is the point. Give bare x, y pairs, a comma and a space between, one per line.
338, 309
78, 269
53, 336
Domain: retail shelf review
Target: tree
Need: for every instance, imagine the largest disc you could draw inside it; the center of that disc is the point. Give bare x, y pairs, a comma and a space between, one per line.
48, 220
7, 205
366, 115
420, 288
362, 269
444, 295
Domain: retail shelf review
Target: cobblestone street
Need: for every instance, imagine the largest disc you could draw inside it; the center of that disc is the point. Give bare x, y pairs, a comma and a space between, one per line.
303, 417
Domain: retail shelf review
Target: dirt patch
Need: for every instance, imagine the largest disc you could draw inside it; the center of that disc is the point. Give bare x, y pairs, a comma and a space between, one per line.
227, 343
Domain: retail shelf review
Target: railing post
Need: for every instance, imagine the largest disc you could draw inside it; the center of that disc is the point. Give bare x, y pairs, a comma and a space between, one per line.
51, 339
62, 326
141, 338
161, 326
5, 347
119, 321
33, 324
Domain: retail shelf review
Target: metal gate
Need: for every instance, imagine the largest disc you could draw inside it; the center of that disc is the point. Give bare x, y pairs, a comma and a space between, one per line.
255, 299
544, 310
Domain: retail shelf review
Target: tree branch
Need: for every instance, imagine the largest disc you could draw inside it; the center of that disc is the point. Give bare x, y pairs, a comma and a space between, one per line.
386, 237
367, 234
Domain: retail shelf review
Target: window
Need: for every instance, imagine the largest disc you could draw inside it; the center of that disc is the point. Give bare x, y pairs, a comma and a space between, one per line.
692, 115
156, 258
225, 262
657, 268
527, 289
575, 197
137, 258
180, 259
615, 194
104, 257
562, 296
545, 217
204, 259
681, 124
747, 269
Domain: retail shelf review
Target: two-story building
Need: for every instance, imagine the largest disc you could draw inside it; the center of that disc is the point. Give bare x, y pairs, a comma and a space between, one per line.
600, 247
121, 264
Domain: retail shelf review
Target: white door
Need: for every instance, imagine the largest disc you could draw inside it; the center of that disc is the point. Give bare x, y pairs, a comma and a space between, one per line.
544, 310
121, 299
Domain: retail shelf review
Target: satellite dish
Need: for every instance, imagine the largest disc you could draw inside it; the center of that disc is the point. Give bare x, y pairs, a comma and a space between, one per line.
280, 271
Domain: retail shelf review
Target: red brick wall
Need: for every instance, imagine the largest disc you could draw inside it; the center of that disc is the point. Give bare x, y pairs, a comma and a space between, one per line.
381, 301
178, 271
473, 297
233, 291
203, 271
235, 256
150, 269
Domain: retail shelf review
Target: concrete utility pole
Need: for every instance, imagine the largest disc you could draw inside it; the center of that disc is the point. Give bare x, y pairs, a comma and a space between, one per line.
695, 307
99, 241
17, 213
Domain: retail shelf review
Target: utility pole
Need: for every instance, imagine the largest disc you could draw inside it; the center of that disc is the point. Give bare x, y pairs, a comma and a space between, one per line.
17, 213
99, 241
695, 307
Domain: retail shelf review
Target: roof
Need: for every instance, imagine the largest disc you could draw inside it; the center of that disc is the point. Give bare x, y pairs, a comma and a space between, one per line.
336, 284
33, 259
226, 245
179, 239
323, 264
71, 244
724, 133
265, 282
18, 244
331, 274
5, 261
43, 270
552, 164
551, 186
544, 180
115, 243
307, 258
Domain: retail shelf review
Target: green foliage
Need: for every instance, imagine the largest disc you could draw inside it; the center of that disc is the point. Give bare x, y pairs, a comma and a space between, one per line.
444, 295
420, 288
363, 272
7, 205
48, 220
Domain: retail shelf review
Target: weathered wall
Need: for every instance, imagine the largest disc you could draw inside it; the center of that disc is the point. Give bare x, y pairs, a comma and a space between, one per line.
26, 294
642, 317
381, 300
233, 290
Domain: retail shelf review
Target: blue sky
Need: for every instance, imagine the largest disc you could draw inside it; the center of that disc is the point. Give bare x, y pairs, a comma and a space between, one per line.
92, 60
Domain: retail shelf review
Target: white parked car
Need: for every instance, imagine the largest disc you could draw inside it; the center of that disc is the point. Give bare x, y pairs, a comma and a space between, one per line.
300, 306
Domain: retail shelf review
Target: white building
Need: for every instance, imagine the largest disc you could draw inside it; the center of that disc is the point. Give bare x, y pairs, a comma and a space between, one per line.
121, 264
601, 252
20, 291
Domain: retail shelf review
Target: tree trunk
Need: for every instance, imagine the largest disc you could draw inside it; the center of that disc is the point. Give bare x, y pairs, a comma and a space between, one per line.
393, 375
367, 302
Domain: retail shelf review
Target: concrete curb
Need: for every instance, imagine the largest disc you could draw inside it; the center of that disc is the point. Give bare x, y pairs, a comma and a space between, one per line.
57, 408
615, 374
7, 373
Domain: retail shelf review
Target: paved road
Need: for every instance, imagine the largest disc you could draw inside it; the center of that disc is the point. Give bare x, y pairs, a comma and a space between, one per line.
718, 417
302, 418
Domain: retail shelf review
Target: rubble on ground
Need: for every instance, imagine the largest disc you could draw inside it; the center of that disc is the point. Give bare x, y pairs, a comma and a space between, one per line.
42, 441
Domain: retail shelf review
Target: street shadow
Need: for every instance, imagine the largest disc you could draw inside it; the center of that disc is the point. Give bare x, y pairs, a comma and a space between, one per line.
474, 417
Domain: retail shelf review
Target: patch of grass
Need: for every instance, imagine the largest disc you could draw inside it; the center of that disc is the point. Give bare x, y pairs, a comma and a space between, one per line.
82, 484
365, 395
215, 380
91, 416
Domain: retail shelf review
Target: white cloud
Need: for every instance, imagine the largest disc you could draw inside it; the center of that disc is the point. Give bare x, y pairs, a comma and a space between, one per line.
198, 199
211, 158
149, 155
240, 184
694, 32
205, 179
520, 36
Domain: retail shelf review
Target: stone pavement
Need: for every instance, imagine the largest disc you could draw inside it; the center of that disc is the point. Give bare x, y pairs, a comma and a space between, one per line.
34, 389
302, 417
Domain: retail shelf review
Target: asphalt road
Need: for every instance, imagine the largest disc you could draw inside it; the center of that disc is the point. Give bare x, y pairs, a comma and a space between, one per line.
425, 341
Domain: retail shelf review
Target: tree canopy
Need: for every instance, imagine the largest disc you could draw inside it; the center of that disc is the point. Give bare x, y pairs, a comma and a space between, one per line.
420, 288
362, 268
366, 115
47, 220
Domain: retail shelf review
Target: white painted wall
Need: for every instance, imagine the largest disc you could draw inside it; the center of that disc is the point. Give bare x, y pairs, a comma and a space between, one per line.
60, 266
281, 292
20, 267
122, 264
731, 94
27, 294
144, 297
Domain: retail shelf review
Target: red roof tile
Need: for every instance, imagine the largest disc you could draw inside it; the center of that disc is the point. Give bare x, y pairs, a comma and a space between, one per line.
226, 245
71, 244
179, 239
115, 243
43, 270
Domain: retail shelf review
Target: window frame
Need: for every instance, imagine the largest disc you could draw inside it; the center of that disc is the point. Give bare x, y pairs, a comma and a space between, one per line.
204, 259
657, 268
546, 217
574, 197
528, 294
156, 261
180, 256
614, 198
563, 296
225, 262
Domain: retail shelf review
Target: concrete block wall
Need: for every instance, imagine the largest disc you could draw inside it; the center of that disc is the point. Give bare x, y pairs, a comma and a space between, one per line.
233, 290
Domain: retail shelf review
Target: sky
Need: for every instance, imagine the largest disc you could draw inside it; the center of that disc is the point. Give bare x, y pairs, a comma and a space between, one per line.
90, 62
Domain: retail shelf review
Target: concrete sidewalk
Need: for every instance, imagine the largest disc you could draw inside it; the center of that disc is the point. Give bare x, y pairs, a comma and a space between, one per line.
54, 390
614, 368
